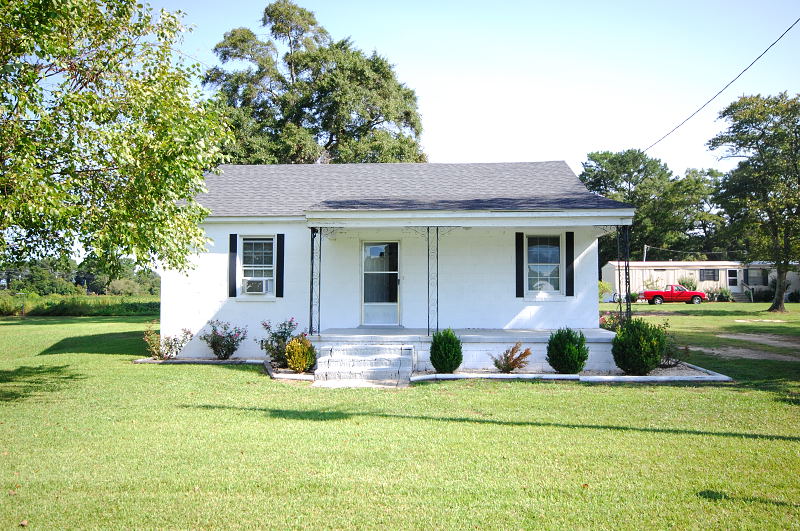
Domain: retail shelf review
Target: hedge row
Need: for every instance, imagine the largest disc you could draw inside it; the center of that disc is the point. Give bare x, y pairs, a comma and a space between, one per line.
79, 305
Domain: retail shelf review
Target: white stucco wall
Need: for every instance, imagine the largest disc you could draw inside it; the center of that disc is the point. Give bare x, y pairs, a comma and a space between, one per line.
476, 283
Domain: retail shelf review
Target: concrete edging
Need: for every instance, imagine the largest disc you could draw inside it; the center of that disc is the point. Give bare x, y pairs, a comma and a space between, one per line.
199, 361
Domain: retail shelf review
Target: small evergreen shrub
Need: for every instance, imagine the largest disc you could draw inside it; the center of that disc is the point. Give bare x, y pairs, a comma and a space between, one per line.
275, 343
300, 353
512, 358
223, 338
794, 296
446, 351
689, 283
165, 348
639, 347
567, 351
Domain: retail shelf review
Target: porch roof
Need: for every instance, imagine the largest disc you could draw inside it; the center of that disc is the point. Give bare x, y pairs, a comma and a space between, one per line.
295, 189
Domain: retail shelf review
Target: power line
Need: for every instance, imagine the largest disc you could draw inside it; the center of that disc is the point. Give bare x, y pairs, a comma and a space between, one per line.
725, 87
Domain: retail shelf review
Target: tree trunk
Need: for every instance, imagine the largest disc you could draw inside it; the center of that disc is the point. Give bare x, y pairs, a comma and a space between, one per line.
780, 291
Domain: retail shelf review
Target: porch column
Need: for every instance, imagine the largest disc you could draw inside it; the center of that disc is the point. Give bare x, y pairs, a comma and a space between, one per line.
433, 278
315, 281
624, 255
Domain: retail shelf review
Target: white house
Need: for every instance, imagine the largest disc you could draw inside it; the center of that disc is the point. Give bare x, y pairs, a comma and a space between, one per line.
387, 253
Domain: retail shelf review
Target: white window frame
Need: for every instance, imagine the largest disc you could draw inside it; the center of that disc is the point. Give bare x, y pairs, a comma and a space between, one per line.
269, 282
550, 294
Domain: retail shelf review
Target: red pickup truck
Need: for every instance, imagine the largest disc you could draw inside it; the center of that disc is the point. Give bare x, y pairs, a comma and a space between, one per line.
673, 293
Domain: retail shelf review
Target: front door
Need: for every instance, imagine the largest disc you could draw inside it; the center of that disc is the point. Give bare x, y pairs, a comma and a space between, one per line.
381, 272
733, 281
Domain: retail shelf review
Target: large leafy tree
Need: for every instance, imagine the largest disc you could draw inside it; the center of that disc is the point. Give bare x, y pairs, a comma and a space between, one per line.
103, 140
304, 98
762, 194
669, 209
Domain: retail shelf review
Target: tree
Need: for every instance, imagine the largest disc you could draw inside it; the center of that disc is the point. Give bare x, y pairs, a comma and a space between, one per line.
305, 98
103, 139
763, 192
669, 209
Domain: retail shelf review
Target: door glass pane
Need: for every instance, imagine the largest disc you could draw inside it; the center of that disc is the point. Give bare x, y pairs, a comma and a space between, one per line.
380, 287
380, 256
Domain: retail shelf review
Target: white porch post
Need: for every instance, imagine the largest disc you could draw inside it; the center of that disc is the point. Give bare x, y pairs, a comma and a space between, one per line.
433, 278
315, 281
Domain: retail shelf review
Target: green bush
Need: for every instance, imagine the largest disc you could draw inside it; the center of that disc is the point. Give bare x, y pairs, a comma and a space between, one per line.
300, 353
794, 296
167, 347
223, 339
275, 342
639, 346
689, 283
603, 289
724, 295
567, 351
445, 351
77, 305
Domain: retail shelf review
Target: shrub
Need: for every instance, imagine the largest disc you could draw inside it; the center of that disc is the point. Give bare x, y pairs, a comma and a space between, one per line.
603, 289
794, 296
633, 296
689, 283
610, 321
567, 351
445, 351
300, 353
512, 358
223, 338
724, 295
165, 348
11, 304
275, 343
639, 346
123, 286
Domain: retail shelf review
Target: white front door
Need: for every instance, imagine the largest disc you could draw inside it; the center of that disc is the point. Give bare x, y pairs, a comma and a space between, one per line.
380, 293
733, 281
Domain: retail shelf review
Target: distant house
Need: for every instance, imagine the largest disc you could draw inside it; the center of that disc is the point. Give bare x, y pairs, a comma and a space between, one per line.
738, 277
389, 253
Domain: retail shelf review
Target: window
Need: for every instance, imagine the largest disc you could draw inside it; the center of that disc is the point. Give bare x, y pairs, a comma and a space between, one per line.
258, 266
709, 274
544, 263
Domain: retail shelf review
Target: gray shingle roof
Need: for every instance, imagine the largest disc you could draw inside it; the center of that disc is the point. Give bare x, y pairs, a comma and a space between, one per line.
291, 189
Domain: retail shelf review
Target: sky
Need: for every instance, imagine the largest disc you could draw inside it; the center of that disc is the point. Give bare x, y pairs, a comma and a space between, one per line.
509, 81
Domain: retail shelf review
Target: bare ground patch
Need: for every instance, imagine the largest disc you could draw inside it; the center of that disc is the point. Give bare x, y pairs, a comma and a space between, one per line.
748, 353
773, 340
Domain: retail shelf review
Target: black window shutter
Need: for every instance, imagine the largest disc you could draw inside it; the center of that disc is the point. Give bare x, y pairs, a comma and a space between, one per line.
520, 261
570, 260
233, 240
279, 265
747, 276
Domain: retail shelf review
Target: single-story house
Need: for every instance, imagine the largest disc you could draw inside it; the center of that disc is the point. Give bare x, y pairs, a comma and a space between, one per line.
385, 253
739, 277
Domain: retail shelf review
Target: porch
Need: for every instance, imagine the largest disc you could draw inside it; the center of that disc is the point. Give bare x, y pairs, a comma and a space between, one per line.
478, 345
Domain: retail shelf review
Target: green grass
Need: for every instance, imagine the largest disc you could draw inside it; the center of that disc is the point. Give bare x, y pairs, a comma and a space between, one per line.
88, 439
699, 325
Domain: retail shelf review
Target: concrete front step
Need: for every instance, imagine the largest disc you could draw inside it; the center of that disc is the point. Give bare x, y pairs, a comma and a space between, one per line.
380, 364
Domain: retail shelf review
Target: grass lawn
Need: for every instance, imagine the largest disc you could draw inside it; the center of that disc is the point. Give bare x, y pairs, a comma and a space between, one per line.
88, 439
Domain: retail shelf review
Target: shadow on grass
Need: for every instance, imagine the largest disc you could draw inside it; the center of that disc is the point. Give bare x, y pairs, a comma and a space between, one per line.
329, 415
714, 495
17, 384
112, 343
